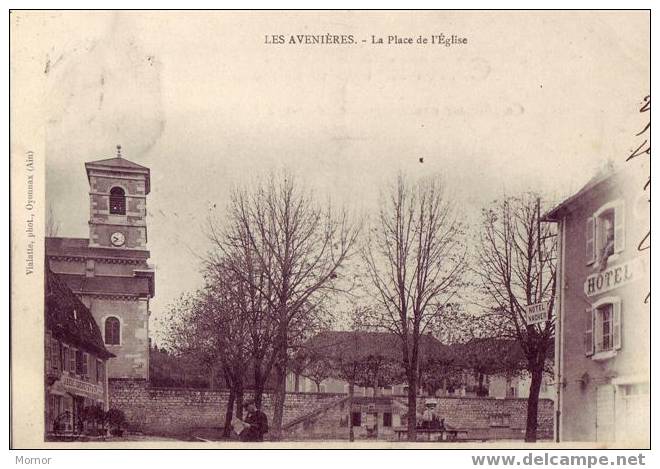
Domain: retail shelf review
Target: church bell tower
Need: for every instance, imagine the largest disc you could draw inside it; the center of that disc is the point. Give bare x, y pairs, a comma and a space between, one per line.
118, 191
110, 271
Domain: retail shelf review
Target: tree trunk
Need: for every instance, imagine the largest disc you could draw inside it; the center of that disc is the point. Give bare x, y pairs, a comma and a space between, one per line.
229, 414
258, 391
239, 400
259, 382
280, 391
533, 402
351, 390
212, 377
297, 383
318, 386
412, 405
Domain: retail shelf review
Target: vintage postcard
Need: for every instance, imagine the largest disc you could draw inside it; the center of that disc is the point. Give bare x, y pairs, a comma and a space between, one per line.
402, 229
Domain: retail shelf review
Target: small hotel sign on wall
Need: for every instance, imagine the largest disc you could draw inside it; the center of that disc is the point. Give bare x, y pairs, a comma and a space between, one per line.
613, 277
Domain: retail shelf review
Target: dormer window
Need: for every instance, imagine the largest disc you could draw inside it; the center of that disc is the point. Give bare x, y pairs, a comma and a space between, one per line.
117, 201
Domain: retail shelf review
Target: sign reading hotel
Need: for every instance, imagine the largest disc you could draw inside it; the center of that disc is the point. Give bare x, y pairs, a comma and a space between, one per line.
537, 313
613, 277
76, 386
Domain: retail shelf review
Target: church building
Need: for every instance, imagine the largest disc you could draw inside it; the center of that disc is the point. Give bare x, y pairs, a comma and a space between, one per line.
109, 271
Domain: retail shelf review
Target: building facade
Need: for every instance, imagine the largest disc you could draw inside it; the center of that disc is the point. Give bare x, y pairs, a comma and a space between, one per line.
603, 326
512, 387
109, 270
75, 361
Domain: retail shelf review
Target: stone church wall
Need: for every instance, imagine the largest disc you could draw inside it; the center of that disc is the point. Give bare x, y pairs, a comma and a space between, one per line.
132, 353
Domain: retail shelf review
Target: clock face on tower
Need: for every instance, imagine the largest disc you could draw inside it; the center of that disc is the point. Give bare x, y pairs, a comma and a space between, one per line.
117, 238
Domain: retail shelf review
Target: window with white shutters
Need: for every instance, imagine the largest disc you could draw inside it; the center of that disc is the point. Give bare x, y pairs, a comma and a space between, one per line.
606, 329
590, 232
619, 227
616, 325
72, 360
55, 354
65, 358
589, 332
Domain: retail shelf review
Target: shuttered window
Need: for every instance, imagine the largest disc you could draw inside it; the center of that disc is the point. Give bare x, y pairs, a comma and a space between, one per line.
588, 332
605, 233
590, 233
91, 368
72, 360
616, 325
81, 362
603, 331
99, 372
619, 227
54, 354
65, 358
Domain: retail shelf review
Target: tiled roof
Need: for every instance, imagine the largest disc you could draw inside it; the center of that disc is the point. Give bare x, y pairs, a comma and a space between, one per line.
79, 247
602, 180
69, 319
366, 344
117, 163
137, 286
120, 164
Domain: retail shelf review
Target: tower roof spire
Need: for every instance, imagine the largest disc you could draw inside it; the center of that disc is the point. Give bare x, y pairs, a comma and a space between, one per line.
118, 151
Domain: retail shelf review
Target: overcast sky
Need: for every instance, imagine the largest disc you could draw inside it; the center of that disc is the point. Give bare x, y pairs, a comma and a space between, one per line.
532, 101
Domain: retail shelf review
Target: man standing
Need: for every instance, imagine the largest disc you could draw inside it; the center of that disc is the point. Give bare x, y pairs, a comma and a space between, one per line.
257, 424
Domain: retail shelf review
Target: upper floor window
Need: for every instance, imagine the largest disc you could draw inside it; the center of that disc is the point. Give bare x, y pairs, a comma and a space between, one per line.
605, 234
55, 354
81, 363
99, 371
72, 360
117, 201
112, 331
603, 326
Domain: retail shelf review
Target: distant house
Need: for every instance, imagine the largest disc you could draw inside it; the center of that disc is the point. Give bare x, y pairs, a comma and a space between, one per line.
447, 370
75, 360
343, 345
512, 387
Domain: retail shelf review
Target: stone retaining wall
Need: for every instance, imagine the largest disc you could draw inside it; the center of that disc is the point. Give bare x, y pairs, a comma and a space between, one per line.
180, 411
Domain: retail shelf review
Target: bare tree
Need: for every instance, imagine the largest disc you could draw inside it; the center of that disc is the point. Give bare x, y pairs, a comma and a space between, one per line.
207, 325
250, 305
318, 369
52, 225
300, 249
415, 260
516, 266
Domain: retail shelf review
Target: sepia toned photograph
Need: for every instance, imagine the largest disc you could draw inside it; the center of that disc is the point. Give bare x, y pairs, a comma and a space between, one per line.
315, 229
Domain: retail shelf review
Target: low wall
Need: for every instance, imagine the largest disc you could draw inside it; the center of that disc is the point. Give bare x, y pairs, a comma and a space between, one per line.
492, 418
178, 410
481, 418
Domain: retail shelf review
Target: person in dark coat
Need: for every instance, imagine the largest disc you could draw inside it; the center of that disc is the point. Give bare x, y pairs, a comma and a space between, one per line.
258, 424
